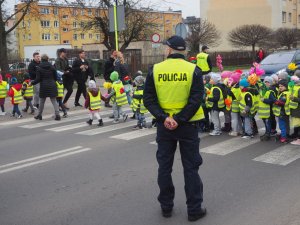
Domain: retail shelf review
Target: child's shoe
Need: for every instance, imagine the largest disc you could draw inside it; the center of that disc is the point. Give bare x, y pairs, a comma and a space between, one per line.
215, 133
233, 134
247, 136
283, 140
137, 127
38, 117
2, 113
100, 123
125, 116
273, 133
24, 110
20, 116
65, 115
296, 142
116, 121
57, 117
89, 122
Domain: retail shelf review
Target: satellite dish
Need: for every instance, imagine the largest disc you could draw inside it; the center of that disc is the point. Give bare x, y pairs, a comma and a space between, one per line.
181, 30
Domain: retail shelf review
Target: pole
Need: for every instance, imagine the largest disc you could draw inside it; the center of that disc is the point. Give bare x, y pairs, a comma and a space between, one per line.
116, 26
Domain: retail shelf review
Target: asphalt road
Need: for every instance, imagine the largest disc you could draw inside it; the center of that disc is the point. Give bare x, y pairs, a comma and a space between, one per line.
66, 173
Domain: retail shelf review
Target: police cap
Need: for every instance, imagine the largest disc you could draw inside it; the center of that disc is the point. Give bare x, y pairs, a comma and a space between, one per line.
176, 42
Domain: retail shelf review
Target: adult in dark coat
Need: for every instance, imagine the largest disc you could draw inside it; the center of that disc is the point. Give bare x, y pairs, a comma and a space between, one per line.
46, 77
81, 71
32, 72
62, 64
121, 67
109, 67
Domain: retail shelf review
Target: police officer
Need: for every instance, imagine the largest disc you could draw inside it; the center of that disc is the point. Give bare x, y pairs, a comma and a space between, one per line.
173, 94
203, 61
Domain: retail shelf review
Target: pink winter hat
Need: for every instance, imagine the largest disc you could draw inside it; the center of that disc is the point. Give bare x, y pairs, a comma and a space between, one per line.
226, 74
235, 77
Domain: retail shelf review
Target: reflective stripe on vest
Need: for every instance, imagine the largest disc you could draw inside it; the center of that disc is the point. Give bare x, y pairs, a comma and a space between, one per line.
277, 109
95, 102
60, 89
295, 93
121, 99
29, 90
242, 104
202, 61
264, 110
221, 103
3, 90
235, 103
173, 80
17, 96
138, 104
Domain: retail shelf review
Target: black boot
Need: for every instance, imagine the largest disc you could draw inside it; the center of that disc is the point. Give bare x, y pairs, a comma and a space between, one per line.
89, 122
100, 123
133, 116
38, 117
226, 128
57, 117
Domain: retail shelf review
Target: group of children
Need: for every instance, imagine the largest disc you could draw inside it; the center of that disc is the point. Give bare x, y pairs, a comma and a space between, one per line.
243, 97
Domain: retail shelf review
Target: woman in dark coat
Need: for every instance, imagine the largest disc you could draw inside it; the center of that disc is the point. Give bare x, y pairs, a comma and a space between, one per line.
46, 76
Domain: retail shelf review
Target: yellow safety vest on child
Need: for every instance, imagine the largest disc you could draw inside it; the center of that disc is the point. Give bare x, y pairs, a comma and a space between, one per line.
243, 105
120, 98
277, 108
138, 103
3, 90
264, 110
17, 96
95, 102
29, 90
60, 89
235, 103
221, 103
294, 105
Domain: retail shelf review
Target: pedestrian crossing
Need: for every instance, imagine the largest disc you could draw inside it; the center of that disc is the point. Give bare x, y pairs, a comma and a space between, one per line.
281, 155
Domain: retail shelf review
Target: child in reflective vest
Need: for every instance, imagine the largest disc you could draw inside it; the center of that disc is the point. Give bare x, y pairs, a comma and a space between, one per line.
15, 92
60, 93
4, 87
265, 108
118, 97
275, 89
138, 103
27, 92
295, 108
93, 103
281, 109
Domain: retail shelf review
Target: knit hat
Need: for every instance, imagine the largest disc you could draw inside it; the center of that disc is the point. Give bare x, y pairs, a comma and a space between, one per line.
13, 81
139, 73
283, 76
244, 83
283, 83
297, 73
207, 78
92, 84
1, 79
114, 76
215, 77
226, 74
139, 80
236, 76
269, 79
275, 78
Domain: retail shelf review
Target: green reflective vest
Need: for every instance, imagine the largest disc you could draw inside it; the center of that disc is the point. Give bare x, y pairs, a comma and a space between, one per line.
17, 96
3, 90
120, 98
202, 61
242, 104
95, 102
277, 109
235, 103
264, 110
60, 89
28, 91
173, 80
221, 103
294, 105
138, 104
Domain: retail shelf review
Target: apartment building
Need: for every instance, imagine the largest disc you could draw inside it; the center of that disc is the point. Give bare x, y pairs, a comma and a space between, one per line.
229, 14
47, 24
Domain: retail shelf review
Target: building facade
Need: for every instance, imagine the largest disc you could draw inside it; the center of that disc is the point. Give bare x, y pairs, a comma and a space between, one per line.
47, 24
12, 43
229, 14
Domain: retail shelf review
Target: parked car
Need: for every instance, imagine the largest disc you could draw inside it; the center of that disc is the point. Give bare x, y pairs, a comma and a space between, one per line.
17, 67
279, 61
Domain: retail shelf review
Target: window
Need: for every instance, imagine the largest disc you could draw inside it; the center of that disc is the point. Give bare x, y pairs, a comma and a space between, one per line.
66, 41
74, 12
45, 11
29, 36
97, 37
46, 37
65, 29
82, 12
75, 37
45, 23
90, 36
56, 37
284, 17
65, 16
90, 12
74, 24
24, 37
290, 17
55, 11
56, 24
29, 23
82, 36
97, 13
81, 24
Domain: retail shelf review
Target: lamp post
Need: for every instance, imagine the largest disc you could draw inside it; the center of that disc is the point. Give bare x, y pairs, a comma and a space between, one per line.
116, 25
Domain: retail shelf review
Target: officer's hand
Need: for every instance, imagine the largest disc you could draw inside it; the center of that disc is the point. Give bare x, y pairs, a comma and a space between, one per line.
170, 123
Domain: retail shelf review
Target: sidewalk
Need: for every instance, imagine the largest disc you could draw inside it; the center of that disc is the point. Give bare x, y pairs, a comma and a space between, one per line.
48, 110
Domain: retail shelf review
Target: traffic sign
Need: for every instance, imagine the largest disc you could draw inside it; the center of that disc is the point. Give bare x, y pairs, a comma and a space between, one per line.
155, 38
181, 30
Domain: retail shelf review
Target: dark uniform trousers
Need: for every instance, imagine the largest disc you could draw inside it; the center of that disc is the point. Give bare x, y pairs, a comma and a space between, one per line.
187, 135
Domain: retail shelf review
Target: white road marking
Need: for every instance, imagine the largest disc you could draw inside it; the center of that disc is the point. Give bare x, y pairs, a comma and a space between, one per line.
134, 134
75, 126
41, 156
229, 146
44, 160
281, 156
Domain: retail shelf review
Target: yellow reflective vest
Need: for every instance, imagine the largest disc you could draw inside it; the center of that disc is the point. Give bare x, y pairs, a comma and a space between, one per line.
294, 105
120, 98
17, 96
95, 102
277, 108
138, 104
264, 110
221, 103
202, 61
60, 89
173, 80
242, 104
29, 90
236, 91
3, 89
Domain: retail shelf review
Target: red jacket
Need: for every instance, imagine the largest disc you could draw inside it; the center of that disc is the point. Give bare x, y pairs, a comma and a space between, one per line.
11, 94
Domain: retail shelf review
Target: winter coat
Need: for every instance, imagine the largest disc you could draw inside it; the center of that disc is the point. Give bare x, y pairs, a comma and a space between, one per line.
46, 76
79, 75
108, 68
63, 66
32, 69
122, 69
11, 94
94, 92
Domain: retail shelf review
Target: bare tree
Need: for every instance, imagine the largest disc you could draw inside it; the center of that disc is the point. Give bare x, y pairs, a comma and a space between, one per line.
287, 37
249, 36
5, 16
202, 32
